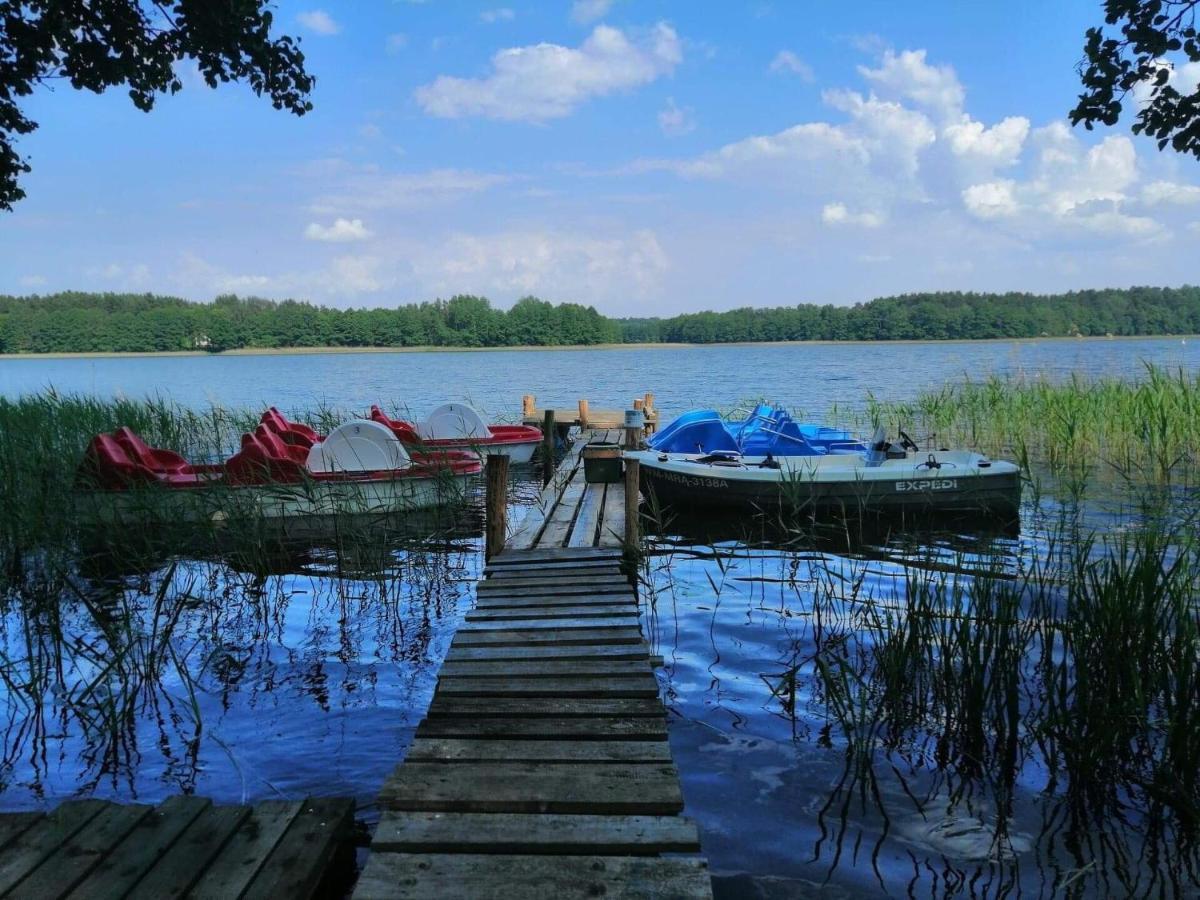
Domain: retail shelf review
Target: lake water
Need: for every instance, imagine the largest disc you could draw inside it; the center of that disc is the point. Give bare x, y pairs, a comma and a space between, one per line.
305, 667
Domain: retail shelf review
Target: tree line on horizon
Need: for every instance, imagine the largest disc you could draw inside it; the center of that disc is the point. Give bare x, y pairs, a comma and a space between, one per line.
80, 322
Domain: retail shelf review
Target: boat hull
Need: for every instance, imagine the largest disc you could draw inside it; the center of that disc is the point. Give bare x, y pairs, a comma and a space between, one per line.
994, 490
218, 502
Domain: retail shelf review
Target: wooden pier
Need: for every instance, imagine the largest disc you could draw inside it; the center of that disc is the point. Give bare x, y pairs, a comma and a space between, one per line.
542, 768
185, 847
582, 416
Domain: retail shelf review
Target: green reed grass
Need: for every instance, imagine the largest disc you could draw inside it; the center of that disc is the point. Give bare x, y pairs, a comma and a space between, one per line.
1146, 429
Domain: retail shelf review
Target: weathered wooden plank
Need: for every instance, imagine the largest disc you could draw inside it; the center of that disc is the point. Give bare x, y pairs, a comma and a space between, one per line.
296, 865
487, 603
74, 858
583, 532
562, 626
13, 825
547, 503
552, 569
602, 788
550, 651
542, 668
516, 637
190, 856
559, 523
459, 876
546, 707
612, 525
554, 556
645, 728
243, 855
570, 595
42, 838
601, 582
523, 833
456, 750
642, 685
587, 611
116, 874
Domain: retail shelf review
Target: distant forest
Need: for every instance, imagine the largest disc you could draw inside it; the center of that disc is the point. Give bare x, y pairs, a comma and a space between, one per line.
83, 322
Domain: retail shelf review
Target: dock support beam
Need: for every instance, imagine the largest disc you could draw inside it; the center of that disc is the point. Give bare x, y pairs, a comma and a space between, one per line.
548, 437
496, 505
632, 525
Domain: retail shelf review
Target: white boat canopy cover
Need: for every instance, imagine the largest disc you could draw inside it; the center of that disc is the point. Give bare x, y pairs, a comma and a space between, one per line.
358, 446
452, 421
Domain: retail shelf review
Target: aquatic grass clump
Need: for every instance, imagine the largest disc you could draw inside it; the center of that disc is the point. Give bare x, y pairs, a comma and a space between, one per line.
1145, 430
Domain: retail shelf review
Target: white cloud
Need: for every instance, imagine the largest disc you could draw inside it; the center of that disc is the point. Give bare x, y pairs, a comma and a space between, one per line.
492, 16
991, 199
548, 81
786, 61
319, 22
997, 146
810, 142
907, 76
371, 189
584, 12
340, 231
838, 214
674, 120
569, 266
1164, 193
396, 42
891, 131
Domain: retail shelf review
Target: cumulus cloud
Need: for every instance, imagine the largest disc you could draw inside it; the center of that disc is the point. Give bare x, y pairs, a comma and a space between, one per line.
997, 146
584, 12
1170, 193
318, 22
548, 81
991, 199
787, 62
838, 214
341, 231
492, 16
907, 76
674, 120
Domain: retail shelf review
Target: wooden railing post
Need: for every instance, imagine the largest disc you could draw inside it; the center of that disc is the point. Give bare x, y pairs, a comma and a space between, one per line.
583, 415
633, 475
496, 505
528, 406
548, 439
633, 437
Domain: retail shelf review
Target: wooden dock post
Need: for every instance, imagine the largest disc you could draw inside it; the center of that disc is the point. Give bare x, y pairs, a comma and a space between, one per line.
583, 415
496, 505
528, 405
548, 447
633, 475
651, 416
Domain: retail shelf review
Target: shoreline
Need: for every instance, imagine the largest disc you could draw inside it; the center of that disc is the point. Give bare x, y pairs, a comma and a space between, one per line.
533, 348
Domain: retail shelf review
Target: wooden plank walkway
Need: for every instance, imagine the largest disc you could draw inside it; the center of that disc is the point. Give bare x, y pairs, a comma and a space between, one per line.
542, 768
185, 847
569, 512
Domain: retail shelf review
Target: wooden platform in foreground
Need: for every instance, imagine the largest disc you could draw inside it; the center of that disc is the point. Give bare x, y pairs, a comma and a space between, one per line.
542, 768
570, 513
185, 847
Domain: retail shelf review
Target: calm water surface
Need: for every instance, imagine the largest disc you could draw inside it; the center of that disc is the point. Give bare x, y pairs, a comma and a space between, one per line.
303, 666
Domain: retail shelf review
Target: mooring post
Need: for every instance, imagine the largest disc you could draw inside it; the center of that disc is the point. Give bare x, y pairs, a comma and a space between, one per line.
528, 406
632, 526
496, 505
651, 415
548, 437
583, 415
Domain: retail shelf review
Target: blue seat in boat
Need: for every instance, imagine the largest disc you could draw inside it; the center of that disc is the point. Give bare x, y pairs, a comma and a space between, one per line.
700, 431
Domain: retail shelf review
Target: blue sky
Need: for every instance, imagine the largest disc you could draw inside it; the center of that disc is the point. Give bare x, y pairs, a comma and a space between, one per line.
644, 157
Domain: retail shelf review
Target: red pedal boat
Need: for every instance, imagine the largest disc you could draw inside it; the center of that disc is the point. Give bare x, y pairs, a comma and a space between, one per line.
359, 467
459, 426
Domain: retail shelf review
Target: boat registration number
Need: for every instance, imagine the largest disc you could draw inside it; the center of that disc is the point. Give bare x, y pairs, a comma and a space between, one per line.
927, 484
693, 480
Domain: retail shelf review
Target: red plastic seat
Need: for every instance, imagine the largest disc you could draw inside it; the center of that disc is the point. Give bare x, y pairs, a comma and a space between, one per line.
291, 432
165, 461
265, 458
108, 466
403, 431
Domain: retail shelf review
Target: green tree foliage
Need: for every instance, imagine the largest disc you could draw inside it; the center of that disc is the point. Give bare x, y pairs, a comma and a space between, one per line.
79, 322
1139, 49
98, 44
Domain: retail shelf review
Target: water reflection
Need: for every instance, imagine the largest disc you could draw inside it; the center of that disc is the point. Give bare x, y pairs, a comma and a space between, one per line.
931, 711
242, 662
